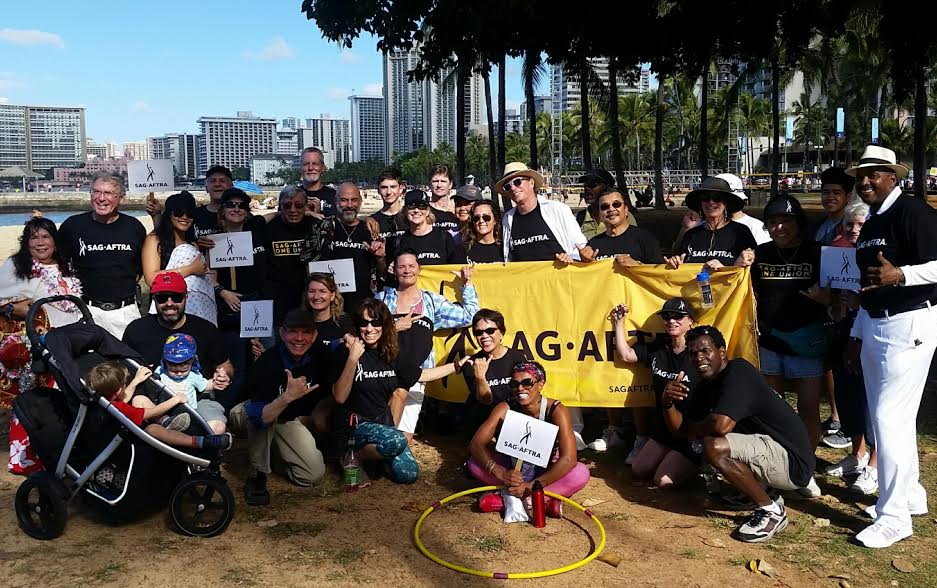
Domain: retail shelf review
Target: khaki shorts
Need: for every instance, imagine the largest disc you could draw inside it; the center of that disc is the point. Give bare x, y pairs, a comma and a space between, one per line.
766, 458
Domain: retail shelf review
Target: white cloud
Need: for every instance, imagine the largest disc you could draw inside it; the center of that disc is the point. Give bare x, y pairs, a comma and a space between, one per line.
337, 94
9, 81
140, 106
373, 90
348, 56
31, 37
275, 50
4, 99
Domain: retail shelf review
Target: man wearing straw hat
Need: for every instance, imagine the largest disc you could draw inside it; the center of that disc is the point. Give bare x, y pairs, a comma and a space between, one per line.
894, 335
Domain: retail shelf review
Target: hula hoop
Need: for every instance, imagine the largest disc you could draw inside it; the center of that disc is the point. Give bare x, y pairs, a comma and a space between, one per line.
506, 575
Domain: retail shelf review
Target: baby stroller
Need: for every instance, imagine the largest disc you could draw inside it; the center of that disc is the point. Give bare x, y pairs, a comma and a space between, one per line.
91, 449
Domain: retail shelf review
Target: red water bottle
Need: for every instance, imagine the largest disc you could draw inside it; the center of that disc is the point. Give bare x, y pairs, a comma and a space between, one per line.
538, 506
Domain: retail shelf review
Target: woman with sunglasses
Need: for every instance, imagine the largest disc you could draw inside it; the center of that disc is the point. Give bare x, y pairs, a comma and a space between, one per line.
481, 236
171, 246
433, 245
629, 245
719, 241
488, 379
657, 453
564, 476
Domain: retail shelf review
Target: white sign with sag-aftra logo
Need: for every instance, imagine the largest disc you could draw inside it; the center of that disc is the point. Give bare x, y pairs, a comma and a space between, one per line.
343, 270
838, 268
527, 438
150, 175
256, 318
231, 249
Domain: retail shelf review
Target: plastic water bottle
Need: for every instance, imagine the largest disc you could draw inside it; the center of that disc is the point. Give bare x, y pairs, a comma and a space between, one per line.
351, 470
705, 289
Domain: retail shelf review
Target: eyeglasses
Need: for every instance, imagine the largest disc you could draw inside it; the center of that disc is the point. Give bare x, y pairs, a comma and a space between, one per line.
297, 205
516, 182
526, 384
482, 217
235, 205
711, 198
670, 316
163, 298
108, 193
488, 331
420, 205
185, 213
616, 205
363, 322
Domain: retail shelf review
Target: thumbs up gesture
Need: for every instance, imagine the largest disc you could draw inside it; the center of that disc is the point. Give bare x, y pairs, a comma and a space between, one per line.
675, 391
884, 275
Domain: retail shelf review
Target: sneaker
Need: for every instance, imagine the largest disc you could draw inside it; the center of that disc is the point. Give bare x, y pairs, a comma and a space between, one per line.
491, 502
836, 440
915, 511
811, 490
762, 525
879, 535
848, 466
222, 442
867, 482
611, 438
830, 426
180, 422
639, 442
255, 490
580, 443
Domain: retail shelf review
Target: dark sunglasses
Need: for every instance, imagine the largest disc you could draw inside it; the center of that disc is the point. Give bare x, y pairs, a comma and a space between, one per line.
516, 182
482, 217
420, 205
363, 322
711, 198
670, 316
163, 298
232, 204
615, 204
488, 331
289, 205
185, 212
526, 383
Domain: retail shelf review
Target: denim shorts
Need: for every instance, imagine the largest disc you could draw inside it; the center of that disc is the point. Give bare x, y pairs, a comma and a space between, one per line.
792, 367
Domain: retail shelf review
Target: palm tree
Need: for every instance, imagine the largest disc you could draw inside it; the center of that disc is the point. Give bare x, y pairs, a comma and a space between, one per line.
805, 129
703, 162
897, 136
502, 105
658, 142
492, 156
636, 116
755, 116
613, 128
532, 71
544, 135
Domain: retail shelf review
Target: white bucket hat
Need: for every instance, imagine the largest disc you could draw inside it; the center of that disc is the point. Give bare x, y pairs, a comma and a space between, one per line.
875, 156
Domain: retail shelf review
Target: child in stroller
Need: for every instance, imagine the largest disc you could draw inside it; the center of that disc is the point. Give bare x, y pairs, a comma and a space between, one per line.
108, 379
180, 372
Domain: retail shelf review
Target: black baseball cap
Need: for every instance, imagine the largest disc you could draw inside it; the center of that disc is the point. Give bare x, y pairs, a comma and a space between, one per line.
783, 206
676, 306
415, 197
181, 201
469, 192
299, 318
596, 177
234, 193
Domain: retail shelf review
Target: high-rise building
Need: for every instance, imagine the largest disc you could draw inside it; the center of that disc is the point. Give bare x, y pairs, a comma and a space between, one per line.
287, 141
513, 122
41, 137
422, 113
566, 93
93, 149
367, 128
232, 141
137, 150
541, 104
113, 149
331, 135
182, 149
264, 164
290, 122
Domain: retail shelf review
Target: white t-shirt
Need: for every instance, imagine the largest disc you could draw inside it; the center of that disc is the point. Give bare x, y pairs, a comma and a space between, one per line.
757, 227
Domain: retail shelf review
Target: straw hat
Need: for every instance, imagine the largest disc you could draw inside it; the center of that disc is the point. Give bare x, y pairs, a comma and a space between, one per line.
875, 156
518, 169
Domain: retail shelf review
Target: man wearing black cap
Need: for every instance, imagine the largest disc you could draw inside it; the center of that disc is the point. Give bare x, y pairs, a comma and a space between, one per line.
465, 196
596, 183
312, 166
432, 244
897, 254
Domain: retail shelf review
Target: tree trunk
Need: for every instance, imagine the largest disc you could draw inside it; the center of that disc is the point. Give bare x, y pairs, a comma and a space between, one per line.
658, 145
920, 133
531, 118
501, 114
461, 77
614, 129
703, 161
776, 123
492, 156
585, 130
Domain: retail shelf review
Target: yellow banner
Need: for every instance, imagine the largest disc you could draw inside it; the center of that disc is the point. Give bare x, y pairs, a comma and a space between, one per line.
560, 317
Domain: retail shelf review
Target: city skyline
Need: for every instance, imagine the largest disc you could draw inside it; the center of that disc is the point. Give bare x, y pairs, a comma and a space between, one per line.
266, 58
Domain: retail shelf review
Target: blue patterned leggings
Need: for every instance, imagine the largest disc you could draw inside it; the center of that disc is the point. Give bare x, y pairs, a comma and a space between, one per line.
392, 444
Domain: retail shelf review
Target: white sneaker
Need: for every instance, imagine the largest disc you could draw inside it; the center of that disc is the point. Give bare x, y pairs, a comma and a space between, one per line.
867, 482
848, 466
580, 444
639, 442
811, 490
915, 511
611, 437
880, 535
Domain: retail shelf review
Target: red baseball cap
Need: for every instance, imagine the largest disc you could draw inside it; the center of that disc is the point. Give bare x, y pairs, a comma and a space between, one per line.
168, 282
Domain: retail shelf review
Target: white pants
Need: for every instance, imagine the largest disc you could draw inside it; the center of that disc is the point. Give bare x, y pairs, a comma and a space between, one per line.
896, 357
115, 321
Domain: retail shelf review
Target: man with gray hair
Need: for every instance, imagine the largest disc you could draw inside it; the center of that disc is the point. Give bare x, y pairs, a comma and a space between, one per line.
312, 166
104, 246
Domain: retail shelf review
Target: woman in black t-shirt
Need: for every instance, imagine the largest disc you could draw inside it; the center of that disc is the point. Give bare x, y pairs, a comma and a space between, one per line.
481, 236
489, 377
326, 304
659, 453
433, 245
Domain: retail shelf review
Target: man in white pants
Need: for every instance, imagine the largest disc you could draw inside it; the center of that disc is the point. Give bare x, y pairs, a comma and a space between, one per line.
895, 330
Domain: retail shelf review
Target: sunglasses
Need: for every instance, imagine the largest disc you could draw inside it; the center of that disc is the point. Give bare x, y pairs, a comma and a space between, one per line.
482, 217
711, 198
233, 205
616, 205
670, 316
185, 213
163, 298
289, 205
526, 383
488, 331
420, 205
363, 322
516, 182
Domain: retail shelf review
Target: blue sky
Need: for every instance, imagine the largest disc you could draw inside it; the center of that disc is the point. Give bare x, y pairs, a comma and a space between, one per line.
145, 69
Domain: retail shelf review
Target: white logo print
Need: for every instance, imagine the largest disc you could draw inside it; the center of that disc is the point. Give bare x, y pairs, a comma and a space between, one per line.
359, 373
682, 305
81, 246
789, 207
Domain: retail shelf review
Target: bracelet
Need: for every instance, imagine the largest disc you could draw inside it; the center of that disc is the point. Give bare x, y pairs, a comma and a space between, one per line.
490, 466
218, 288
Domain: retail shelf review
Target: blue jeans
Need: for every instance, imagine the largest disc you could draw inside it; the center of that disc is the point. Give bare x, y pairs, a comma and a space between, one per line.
393, 446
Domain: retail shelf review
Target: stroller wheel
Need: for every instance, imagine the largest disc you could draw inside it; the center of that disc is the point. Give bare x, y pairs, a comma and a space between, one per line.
40, 508
202, 505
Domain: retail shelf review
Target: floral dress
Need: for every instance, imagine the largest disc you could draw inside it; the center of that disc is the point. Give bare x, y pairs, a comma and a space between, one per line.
201, 294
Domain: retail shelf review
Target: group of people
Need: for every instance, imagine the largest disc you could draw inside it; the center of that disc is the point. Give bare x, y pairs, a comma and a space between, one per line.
346, 370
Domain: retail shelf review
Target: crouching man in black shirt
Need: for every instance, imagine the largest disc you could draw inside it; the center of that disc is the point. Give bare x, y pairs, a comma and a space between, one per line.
745, 429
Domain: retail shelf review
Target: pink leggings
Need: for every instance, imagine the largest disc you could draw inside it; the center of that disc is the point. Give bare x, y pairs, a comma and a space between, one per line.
574, 480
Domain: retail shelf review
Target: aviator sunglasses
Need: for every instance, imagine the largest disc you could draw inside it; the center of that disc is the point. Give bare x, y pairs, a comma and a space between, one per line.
516, 182
526, 384
616, 205
482, 217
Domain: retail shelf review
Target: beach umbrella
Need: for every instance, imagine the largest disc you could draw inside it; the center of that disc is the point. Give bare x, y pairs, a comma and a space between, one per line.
18, 172
249, 187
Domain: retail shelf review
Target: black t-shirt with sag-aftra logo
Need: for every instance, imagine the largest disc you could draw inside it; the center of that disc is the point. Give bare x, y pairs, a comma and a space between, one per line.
532, 239
374, 382
498, 376
434, 248
725, 244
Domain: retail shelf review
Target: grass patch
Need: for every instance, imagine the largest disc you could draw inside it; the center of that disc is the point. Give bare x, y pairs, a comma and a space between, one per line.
293, 528
313, 555
691, 553
329, 486
618, 516
106, 574
25, 567
240, 577
484, 543
740, 561
717, 522
347, 556
353, 576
